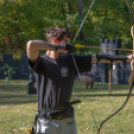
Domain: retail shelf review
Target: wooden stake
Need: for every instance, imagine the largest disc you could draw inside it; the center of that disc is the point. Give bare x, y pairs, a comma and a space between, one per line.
110, 77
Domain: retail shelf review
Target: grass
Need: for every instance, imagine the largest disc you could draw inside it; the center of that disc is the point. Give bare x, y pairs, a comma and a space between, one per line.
17, 109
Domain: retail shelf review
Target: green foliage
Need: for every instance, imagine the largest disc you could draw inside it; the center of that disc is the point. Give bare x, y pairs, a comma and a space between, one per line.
25, 20
10, 70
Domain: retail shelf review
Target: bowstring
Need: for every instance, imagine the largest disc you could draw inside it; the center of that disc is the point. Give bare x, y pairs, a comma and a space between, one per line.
78, 72
83, 22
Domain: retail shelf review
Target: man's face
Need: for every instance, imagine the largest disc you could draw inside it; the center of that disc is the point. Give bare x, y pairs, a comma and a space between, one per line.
65, 40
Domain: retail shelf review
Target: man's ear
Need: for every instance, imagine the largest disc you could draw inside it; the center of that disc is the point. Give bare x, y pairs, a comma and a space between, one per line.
55, 41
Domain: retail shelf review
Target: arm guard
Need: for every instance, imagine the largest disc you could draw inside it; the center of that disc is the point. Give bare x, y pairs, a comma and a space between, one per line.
112, 58
52, 46
68, 47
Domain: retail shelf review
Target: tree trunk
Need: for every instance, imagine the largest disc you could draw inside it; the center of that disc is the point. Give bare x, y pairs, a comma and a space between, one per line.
80, 12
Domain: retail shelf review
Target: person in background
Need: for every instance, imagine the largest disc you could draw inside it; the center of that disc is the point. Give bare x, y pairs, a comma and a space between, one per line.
88, 81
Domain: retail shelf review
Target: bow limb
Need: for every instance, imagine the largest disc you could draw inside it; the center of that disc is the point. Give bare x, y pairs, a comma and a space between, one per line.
132, 14
131, 78
130, 10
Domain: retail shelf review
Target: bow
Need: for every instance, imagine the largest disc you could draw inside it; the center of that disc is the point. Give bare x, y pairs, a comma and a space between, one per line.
131, 78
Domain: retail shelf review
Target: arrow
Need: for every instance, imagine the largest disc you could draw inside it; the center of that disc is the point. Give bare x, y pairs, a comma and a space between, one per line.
95, 47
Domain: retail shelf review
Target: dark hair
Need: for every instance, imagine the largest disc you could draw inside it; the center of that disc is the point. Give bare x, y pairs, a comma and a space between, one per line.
56, 32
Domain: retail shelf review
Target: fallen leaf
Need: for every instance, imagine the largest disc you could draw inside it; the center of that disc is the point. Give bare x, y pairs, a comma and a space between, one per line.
22, 128
79, 106
82, 130
28, 130
15, 130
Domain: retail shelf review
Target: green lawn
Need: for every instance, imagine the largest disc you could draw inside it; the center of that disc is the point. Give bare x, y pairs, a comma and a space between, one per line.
17, 109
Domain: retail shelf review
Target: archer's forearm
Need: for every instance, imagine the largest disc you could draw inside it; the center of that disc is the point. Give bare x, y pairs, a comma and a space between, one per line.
41, 45
34, 45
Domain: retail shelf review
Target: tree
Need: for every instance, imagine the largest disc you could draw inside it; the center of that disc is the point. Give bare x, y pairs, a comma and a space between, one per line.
25, 20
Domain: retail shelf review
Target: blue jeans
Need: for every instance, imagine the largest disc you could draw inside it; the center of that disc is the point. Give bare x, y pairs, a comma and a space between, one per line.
49, 126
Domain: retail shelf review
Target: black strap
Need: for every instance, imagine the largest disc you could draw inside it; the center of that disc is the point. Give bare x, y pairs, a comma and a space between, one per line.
59, 108
34, 124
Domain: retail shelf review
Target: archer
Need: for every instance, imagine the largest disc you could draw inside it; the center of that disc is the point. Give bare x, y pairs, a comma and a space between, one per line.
55, 74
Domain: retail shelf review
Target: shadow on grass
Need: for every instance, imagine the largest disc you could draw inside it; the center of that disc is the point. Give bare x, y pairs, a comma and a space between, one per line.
103, 87
17, 99
15, 92
102, 95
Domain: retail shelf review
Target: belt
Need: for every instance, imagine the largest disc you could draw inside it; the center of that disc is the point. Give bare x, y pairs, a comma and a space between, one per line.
58, 108
45, 111
59, 117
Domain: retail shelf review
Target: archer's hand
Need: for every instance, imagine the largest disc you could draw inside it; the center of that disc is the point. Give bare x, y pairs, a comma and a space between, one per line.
130, 57
65, 48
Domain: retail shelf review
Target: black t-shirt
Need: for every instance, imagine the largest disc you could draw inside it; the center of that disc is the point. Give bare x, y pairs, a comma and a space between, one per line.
55, 78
